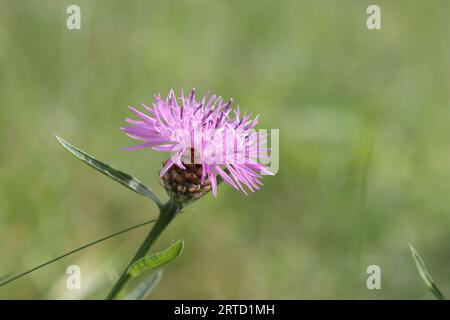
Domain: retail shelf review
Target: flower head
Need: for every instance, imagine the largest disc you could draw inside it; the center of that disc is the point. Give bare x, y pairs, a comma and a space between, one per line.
207, 139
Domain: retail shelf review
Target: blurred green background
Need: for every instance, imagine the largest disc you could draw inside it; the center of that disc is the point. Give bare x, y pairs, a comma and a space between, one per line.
364, 144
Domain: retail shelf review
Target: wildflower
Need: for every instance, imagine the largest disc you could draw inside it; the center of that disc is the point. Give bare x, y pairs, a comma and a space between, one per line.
208, 140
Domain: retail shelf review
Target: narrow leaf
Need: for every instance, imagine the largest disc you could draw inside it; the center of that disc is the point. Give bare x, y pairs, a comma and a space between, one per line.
142, 291
420, 264
119, 176
6, 276
156, 260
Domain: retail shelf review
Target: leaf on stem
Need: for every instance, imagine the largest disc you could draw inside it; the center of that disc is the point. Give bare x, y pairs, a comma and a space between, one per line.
420, 264
157, 260
142, 291
5, 276
119, 176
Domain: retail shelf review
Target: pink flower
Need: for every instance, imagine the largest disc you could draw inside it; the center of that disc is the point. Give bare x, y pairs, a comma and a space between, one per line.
207, 133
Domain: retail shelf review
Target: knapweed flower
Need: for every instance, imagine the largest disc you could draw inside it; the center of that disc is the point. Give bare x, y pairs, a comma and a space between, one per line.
207, 139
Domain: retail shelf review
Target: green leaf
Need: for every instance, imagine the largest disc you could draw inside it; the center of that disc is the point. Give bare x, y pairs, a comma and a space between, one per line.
142, 291
119, 176
156, 260
5, 276
420, 264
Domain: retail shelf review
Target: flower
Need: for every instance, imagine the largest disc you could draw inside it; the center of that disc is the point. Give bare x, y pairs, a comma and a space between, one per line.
207, 139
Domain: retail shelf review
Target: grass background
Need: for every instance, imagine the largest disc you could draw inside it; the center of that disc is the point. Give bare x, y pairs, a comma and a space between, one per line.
364, 144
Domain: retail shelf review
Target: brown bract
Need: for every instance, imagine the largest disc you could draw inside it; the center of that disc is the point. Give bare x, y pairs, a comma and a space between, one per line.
185, 184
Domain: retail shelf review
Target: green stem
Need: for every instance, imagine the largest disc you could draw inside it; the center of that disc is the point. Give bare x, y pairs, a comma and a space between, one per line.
166, 215
72, 252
